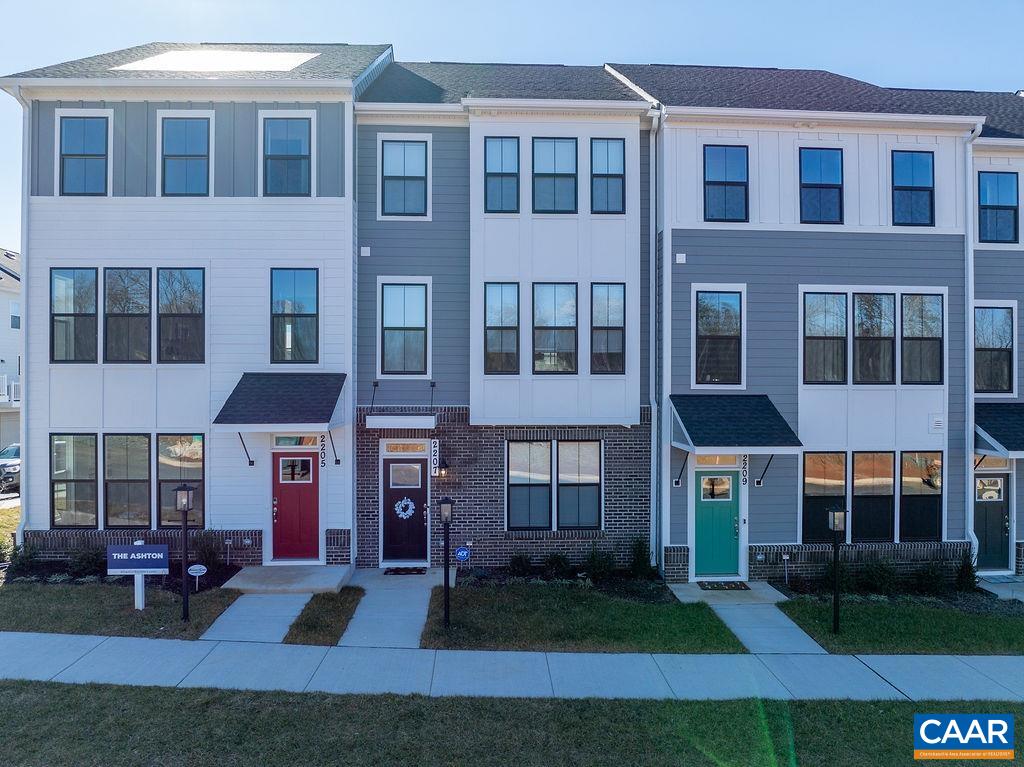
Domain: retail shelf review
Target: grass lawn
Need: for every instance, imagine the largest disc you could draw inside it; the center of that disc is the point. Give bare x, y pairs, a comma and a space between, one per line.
566, 617
913, 625
107, 609
51, 725
8, 522
325, 617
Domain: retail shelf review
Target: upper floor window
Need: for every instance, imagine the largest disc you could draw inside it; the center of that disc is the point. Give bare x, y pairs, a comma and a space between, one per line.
15, 308
181, 299
997, 207
126, 323
403, 347
501, 327
821, 186
554, 175
825, 338
72, 315
608, 175
501, 174
608, 328
993, 349
186, 157
726, 192
294, 315
287, 156
874, 338
718, 356
73, 494
554, 328
126, 490
913, 188
83, 156
180, 458
922, 339
404, 178
579, 485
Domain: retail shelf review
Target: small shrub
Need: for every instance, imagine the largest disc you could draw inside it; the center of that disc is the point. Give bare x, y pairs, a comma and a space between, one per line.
599, 565
557, 567
23, 562
88, 560
640, 559
878, 578
520, 565
205, 548
847, 582
58, 578
930, 579
5, 550
967, 573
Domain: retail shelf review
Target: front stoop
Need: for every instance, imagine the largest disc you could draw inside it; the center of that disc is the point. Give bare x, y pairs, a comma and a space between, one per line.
291, 579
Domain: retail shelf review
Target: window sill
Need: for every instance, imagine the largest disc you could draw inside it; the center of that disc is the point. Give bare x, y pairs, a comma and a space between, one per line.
553, 535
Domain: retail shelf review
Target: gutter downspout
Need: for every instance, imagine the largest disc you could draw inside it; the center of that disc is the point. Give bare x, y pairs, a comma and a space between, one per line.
969, 340
657, 549
26, 322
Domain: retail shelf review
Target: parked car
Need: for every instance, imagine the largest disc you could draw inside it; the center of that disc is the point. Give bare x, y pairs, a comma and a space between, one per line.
10, 469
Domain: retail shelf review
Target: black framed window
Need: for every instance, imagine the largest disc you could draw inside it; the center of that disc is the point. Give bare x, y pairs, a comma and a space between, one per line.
824, 492
726, 188
404, 178
608, 327
719, 353
554, 327
501, 174
501, 328
186, 157
73, 496
294, 315
554, 175
579, 485
998, 207
127, 499
287, 156
821, 186
607, 175
993, 349
874, 338
920, 496
127, 299
529, 485
403, 329
83, 156
181, 315
180, 458
874, 497
824, 338
913, 188
73, 315
922, 339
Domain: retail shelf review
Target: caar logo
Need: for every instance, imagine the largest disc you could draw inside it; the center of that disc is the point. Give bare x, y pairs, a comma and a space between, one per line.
963, 736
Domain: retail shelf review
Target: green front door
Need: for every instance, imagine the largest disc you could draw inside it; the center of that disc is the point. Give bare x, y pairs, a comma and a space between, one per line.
718, 523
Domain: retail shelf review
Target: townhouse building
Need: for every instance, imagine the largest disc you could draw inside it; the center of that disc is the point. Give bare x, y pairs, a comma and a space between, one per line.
697, 306
10, 350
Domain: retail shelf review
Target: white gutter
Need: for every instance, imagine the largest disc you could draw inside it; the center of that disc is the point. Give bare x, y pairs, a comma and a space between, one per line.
657, 548
573, 105
26, 320
809, 118
106, 83
969, 339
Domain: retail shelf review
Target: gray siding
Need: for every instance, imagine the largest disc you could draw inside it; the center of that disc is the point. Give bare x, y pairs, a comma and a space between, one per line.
645, 266
773, 265
236, 154
999, 275
438, 248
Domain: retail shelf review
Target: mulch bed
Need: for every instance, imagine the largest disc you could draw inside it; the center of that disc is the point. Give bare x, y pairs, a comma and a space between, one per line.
51, 572
622, 586
977, 602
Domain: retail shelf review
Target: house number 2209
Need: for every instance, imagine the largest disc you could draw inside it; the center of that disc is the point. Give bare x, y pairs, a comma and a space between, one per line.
743, 471
323, 451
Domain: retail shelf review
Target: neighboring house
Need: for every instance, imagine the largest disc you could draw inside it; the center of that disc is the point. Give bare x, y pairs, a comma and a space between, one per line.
698, 306
10, 347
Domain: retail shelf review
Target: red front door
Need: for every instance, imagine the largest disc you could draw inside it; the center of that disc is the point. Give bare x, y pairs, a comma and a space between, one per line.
296, 506
405, 509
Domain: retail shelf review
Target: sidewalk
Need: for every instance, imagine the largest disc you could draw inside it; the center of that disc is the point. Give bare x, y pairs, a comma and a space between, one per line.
258, 666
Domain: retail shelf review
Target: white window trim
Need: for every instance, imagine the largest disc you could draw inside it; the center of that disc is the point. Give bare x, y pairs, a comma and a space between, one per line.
200, 113
429, 139
379, 300
894, 144
984, 164
280, 466
753, 182
263, 114
1010, 304
716, 500
718, 287
57, 115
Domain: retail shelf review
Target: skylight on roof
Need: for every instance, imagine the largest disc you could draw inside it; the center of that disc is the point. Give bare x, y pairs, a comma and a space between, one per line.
211, 60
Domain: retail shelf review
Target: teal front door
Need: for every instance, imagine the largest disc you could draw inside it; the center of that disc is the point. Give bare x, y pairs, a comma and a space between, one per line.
717, 522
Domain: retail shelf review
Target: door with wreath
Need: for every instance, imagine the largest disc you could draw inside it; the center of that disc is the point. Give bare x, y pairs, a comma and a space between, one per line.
405, 510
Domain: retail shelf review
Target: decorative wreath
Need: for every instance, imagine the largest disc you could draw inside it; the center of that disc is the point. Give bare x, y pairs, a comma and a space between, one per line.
405, 508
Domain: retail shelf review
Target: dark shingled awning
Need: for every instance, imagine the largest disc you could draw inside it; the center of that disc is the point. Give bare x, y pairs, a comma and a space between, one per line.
1002, 425
712, 422
283, 399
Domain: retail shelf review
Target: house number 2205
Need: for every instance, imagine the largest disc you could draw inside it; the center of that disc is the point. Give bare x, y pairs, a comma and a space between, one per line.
323, 450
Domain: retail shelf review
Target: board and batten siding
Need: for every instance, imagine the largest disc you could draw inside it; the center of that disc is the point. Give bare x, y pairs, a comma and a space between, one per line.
438, 248
235, 139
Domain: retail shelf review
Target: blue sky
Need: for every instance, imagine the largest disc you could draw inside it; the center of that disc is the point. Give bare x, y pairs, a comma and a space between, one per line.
920, 43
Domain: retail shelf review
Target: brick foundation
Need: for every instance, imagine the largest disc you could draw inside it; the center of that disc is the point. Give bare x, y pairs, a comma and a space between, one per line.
1019, 561
55, 545
677, 564
339, 547
476, 481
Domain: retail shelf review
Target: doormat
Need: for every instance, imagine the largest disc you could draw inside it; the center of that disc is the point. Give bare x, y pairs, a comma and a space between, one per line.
405, 571
723, 585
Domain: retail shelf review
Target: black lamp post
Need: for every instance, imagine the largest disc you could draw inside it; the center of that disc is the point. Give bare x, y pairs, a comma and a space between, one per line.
184, 502
445, 507
837, 524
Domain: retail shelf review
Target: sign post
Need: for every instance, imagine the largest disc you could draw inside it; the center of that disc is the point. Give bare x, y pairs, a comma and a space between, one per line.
139, 560
140, 586
184, 501
446, 506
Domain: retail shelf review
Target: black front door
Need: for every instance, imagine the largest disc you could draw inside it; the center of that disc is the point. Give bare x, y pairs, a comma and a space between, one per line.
404, 493
992, 521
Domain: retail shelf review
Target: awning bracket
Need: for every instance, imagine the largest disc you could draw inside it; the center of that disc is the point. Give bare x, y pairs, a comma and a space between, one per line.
760, 480
247, 456
686, 457
979, 462
337, 461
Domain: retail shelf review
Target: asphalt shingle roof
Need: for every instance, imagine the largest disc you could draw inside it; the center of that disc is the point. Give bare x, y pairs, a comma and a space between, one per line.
449, 82
1003, 421
282, 398
334, 61
733, 420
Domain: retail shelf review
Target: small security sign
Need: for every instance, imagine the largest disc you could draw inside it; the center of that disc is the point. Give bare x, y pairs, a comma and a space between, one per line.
462, 554
197, 570
138, 560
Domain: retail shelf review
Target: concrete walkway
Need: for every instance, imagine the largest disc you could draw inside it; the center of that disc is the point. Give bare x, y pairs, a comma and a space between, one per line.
1003, 586
393, 611
257, 618
255, 666
290, 579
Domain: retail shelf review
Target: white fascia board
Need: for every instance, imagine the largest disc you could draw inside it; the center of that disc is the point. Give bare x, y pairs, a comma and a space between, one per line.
385, 107
1000, 448
1006, 144
789, 116
688, 445
557, 105
744, 450
401, 421
272, 428
30, 83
